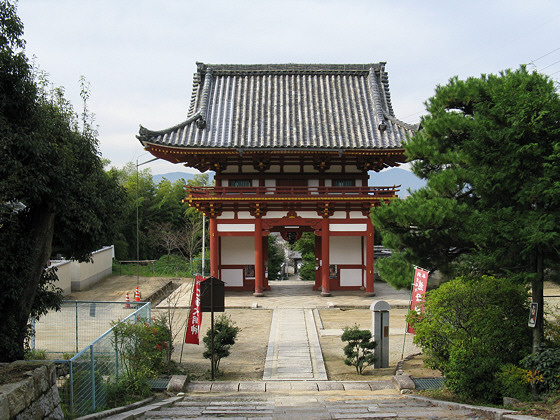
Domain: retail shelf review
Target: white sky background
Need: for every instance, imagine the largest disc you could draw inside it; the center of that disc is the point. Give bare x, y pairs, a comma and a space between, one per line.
139, 55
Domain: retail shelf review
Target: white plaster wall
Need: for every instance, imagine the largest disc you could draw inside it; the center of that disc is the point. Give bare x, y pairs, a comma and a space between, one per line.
226, 215
244, 215
345, 250
275, 214
335, 168
64, 274
351, 277
348, 227
232, 277
269, 182
86, 274
338, 215
291, 168
247, 169
238, 227
308, 214
237, 250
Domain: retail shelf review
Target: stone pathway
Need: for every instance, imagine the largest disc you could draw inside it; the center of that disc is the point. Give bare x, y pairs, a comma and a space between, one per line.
308, 407
294, 352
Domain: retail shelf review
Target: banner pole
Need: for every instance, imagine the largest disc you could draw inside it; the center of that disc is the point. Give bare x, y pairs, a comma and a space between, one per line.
186, 323
409, 302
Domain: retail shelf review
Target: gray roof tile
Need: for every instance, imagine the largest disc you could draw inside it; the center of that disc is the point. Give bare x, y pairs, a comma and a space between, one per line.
287, 106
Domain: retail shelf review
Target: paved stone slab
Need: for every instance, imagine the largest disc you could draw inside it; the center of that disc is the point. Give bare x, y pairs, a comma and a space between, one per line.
225, 387
252, 386
330, 386
294, 352
364, 386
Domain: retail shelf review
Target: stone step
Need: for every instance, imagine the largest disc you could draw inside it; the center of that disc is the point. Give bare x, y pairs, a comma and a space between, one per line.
308, 407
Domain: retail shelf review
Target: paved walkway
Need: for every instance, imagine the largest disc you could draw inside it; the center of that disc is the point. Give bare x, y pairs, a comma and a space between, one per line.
306, 406
295, 293
294, 352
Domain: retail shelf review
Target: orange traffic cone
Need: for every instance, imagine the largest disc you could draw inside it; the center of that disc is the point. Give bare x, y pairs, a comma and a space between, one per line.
137, 295
127, 304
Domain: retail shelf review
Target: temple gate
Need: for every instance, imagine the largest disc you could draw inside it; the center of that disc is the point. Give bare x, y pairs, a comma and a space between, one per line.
291, 146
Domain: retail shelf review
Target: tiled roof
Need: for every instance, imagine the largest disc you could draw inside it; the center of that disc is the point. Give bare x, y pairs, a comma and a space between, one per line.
287, 106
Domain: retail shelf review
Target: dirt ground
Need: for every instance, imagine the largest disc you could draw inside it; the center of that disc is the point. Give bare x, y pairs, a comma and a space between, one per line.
248, 355
247, 358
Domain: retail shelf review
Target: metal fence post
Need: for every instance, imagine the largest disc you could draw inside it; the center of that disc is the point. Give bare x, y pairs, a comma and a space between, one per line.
33, 336
77, 349
71, 387
92, 367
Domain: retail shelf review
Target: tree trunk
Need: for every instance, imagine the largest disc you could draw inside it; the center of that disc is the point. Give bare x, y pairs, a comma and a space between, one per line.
538, 298
13, 328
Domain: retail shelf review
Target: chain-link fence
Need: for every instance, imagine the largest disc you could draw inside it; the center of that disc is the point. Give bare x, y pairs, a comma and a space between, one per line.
83, 378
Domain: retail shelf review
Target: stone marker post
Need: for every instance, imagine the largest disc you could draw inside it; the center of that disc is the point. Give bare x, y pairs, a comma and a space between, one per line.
380, 327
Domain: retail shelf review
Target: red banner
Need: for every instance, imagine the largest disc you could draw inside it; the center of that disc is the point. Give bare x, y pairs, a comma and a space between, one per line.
195, 316
419, 287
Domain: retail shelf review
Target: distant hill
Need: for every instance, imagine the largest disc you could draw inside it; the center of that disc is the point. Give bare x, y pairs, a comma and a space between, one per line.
174, 176
388, 177
396, 176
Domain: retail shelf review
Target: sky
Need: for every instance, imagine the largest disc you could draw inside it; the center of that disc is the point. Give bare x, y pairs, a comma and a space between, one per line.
139, 56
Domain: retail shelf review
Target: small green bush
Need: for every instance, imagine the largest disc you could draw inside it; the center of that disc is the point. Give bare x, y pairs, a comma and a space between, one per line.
359, 350
142, 350
225, 333
544, 367
36, 354
514, 382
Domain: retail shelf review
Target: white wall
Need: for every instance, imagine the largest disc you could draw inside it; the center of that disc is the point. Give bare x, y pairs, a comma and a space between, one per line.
64, 274
345, 250
238, 250
75, 276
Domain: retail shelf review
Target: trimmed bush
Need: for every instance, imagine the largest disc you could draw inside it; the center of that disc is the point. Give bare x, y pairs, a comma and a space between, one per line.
470, 329
359, 350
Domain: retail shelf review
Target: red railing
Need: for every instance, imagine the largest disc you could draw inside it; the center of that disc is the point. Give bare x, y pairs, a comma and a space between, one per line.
292, 192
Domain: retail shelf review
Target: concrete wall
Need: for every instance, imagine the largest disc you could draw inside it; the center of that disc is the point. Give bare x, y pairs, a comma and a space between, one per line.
64, 273
75, 276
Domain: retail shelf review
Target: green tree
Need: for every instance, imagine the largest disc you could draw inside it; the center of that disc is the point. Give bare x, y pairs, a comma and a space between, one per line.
306, 246
55, 196
275, 257
225, 333
359, 350
470, 329
489, 150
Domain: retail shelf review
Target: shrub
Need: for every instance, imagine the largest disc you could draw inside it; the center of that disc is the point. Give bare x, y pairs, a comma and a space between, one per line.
471, 327
225, 333
359, 350
142, 350
36, 354
544, 368
514, 382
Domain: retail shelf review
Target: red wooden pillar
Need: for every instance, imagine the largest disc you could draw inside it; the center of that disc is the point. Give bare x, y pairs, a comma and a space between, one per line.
259, 258
369, 260
214, 257
325, 275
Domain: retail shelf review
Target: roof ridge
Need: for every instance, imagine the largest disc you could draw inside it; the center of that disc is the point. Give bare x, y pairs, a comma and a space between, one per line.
288, 68
412, 127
